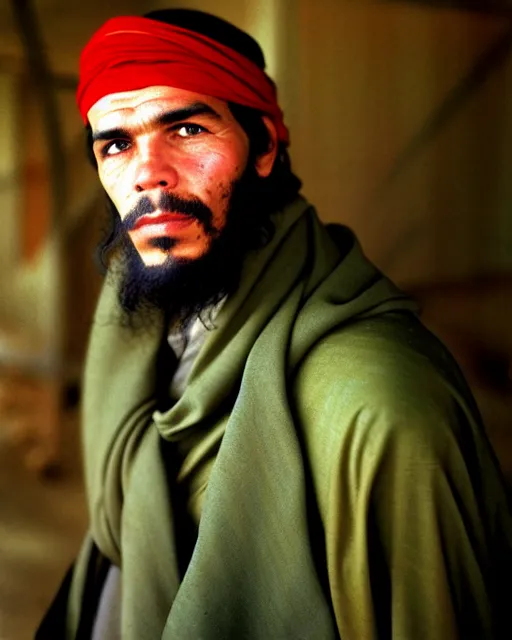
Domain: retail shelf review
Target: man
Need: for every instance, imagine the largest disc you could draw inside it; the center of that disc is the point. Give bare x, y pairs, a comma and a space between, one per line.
305, 461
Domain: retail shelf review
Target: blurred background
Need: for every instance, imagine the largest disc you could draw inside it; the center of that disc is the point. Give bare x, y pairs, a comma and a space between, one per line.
401, 125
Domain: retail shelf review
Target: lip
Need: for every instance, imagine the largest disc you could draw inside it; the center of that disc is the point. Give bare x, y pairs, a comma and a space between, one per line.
174, 219
161, 224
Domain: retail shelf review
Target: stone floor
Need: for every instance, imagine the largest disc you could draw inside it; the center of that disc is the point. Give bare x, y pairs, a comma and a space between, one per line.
41, 525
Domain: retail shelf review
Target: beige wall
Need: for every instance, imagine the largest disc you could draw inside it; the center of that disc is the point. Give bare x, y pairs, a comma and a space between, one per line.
366, 79
29, 283
9, 184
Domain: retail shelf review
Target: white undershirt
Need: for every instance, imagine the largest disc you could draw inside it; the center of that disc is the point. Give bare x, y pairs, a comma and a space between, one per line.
186, 346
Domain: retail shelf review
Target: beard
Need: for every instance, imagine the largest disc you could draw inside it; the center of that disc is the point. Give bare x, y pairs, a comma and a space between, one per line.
188, 289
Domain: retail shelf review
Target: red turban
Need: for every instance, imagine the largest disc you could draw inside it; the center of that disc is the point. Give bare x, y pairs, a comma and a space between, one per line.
129, 53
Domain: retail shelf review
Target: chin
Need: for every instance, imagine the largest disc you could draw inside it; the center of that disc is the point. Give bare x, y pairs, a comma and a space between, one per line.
166, 250
157, 254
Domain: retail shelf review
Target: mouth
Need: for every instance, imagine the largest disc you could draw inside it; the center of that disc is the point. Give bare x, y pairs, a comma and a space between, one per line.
162, 223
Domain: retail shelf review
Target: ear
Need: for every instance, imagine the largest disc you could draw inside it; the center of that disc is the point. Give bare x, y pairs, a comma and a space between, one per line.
265, 161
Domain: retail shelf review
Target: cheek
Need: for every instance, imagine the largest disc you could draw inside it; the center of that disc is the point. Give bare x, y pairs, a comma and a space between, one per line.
107, 181
213, 163
219, 200
114, 184
217, 176
213, 168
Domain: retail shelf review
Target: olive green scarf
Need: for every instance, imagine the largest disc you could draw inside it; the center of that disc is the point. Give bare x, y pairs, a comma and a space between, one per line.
255, 571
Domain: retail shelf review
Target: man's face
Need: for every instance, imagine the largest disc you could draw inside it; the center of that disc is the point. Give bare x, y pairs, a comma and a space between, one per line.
168, 159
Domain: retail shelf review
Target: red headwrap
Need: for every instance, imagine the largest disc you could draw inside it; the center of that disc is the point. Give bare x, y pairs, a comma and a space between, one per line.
129, 53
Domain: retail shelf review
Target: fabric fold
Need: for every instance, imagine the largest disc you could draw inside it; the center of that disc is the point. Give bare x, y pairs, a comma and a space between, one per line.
253, 571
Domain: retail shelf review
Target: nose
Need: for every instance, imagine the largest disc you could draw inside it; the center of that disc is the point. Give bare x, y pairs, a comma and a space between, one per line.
154, 168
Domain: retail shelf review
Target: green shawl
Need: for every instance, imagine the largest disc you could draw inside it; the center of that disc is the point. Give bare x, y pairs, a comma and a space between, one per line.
258, 567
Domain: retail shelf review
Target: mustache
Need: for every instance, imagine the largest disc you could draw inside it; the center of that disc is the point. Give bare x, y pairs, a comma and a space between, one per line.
170, 203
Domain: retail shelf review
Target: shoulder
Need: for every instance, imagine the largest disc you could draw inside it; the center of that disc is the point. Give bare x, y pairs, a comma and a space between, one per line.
382, 387
389, 362
407, 489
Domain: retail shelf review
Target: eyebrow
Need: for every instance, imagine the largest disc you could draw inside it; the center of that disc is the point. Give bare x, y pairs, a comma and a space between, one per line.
169, 117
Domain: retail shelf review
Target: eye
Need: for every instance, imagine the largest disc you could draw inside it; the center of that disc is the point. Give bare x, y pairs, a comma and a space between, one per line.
115, 147
189, 130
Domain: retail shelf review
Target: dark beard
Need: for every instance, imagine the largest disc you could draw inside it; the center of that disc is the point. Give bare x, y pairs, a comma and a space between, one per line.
188, 289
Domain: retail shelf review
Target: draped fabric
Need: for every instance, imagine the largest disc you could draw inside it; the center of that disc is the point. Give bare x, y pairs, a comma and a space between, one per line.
282, 551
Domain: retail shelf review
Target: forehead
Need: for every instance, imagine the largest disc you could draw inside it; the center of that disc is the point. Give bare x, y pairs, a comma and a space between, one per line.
119, 109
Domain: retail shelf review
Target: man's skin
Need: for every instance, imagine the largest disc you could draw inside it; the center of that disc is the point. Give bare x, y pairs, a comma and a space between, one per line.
162, 139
